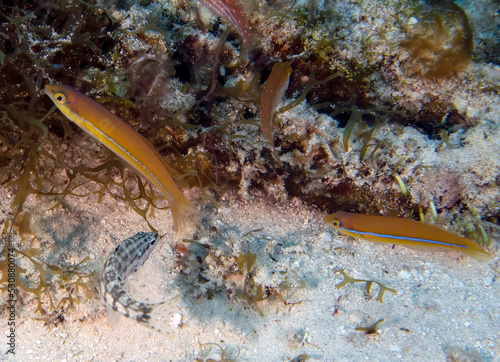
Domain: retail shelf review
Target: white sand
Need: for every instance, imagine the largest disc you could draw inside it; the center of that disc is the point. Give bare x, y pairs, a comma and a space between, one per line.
445, 304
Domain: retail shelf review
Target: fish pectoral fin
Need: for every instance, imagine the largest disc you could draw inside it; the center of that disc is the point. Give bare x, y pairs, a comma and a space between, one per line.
113, 317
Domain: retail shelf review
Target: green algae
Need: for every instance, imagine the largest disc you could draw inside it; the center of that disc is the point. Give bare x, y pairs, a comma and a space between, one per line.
380, 116
247, 259
309, 86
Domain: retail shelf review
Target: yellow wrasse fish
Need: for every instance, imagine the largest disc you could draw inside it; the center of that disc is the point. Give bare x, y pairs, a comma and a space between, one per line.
274, 90
234, 12
123, 140
403, 231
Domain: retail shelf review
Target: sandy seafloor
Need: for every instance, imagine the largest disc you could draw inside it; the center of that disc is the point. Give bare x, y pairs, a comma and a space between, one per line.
446, 305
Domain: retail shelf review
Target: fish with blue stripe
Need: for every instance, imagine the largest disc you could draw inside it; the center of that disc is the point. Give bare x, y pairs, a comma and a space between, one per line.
129, 145
405, 232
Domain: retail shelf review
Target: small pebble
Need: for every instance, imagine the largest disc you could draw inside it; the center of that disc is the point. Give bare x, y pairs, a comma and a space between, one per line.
403, 274
412, 21
176, 320
325, 238
488, 281
394, 348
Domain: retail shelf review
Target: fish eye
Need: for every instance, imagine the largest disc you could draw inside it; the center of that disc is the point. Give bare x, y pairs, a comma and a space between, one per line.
153, 241
336, 223
60, 98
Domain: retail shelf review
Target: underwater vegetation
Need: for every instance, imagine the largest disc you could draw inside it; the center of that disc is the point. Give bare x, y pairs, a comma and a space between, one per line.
215, 352
372, 329
368, 286
209, 272
179, 82
440, 42
32, 275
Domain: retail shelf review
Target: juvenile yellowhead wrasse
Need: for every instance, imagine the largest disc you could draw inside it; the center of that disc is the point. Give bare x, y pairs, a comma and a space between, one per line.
274, 90
125, 259
234, 12
403, 231
124, 141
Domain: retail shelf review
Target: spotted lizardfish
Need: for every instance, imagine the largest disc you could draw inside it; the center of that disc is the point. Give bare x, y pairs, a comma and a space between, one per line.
125, 259
125, 142
404, 232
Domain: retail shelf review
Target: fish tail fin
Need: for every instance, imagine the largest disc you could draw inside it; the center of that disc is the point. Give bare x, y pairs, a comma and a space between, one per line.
184, 213
478, 254
276, 156
165, 317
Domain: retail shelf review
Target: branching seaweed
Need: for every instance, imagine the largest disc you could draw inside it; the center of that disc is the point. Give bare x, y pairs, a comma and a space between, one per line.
356, 119
30, 160
120, 188
251, 292
313, 83
208, 353
369, 283
51, 277
370, 329
247, 259
232, 276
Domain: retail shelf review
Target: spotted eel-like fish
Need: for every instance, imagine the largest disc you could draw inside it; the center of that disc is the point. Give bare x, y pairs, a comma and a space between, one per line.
125, 259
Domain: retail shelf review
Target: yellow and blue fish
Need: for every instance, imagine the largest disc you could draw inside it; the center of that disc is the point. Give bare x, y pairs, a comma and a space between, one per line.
404, 232
124, 141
